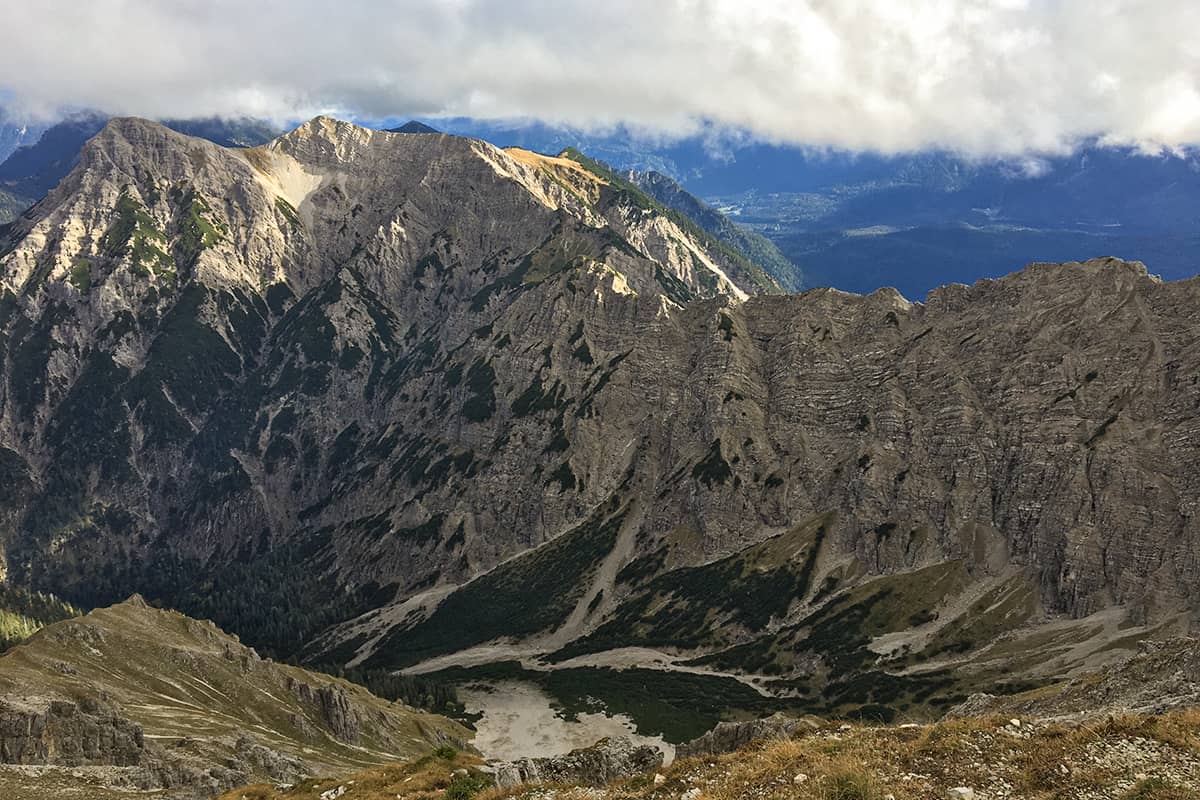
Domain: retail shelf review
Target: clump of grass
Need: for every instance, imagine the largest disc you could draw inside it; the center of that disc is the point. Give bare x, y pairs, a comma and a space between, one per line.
849, 781
1159, 789
946, 738
1179, 728
431, 777
464, 787
81, 275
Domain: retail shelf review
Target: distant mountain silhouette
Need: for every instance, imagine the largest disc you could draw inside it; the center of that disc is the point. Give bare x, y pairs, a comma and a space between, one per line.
412, 126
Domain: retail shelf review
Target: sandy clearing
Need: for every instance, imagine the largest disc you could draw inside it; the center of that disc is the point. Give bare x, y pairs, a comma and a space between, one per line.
520, 721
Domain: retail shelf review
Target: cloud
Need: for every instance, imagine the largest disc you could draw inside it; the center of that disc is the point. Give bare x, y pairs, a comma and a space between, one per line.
986, 77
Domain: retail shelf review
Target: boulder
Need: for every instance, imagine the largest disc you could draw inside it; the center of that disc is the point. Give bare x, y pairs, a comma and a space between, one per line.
729, 736
606, 761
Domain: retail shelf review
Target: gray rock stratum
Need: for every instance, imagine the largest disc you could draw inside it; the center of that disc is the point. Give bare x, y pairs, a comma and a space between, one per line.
727, 737
442, 396
602, 763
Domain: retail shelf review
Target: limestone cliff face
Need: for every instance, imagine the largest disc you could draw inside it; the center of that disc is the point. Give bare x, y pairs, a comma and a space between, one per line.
930, 476
210, 353
349, 371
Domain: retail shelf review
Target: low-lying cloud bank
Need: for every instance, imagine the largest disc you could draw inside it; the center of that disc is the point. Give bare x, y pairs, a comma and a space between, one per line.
984, 77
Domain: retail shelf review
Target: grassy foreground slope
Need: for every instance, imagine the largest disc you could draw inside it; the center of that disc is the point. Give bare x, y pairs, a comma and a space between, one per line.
1122, 757
1130, 731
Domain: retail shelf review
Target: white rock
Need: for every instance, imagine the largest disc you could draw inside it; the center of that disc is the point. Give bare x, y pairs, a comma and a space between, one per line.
333, 794
961, 793
659, 779
1016, 723
800, 778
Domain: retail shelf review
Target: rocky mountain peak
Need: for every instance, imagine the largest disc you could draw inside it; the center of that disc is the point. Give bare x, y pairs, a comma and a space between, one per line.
134, 144
463, 395
326, 139
331, 192
183, 280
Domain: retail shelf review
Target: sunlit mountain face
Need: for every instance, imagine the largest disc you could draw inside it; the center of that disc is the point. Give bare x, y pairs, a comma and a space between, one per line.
861, 221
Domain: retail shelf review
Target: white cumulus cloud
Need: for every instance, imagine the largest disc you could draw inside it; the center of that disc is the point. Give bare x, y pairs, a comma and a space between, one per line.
979, 76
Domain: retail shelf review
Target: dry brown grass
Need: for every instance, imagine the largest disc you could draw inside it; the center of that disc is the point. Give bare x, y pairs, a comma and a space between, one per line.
836, 769
1057, 746
1178, 728
1158, 789
424, 779
568, 174
551, 163
859, 763
945, 738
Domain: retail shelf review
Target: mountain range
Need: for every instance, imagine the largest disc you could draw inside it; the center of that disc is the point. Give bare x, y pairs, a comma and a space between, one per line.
410, 400
15, 134
853, 221
914, 221
35, 168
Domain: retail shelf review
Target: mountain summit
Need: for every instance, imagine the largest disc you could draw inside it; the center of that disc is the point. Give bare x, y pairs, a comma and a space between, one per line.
385, 398
412, 126
171, 299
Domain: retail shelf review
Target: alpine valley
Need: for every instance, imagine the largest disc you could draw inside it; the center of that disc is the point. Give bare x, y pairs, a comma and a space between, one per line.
406, 401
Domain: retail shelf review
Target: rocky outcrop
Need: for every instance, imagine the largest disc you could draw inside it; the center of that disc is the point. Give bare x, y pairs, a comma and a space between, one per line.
66, 733
332, 706
49, 155
729, 736
262, 760
606, 761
